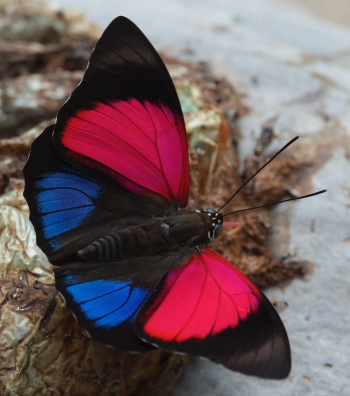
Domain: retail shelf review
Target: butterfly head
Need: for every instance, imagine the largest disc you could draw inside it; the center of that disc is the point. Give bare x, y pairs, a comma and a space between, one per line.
217, 222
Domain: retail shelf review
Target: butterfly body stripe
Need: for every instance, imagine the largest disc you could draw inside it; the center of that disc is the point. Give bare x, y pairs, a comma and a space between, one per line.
152, 237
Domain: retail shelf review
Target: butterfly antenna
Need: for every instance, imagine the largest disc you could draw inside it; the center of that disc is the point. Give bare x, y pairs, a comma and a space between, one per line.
259, 170
275, 203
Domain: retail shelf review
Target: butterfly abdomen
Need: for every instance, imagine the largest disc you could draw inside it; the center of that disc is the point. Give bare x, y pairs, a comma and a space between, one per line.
156, 236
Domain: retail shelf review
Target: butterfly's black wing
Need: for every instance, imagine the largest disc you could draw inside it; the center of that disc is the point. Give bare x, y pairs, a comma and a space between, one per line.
117, 157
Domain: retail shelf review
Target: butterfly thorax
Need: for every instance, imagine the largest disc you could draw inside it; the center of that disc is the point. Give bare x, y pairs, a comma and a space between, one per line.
156, 236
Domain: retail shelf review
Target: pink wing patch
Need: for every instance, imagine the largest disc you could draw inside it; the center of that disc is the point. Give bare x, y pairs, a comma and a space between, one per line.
202, 298
145, 143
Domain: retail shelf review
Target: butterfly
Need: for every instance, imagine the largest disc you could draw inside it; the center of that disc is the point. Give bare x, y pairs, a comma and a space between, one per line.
107, 187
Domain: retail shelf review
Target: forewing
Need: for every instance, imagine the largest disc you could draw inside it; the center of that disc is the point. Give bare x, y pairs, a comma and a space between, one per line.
207, 307
124, 121
105, 297
70, 208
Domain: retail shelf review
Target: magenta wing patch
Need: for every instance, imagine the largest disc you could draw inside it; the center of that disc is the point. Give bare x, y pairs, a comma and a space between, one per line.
207, 307
218, 297
129, 137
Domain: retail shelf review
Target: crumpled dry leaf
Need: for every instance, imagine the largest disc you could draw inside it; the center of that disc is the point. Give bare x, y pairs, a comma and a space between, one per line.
23, 266
18, 248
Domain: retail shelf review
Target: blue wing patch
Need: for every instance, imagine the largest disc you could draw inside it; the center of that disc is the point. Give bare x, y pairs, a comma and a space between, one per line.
64, 201
106, 303
61, 198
